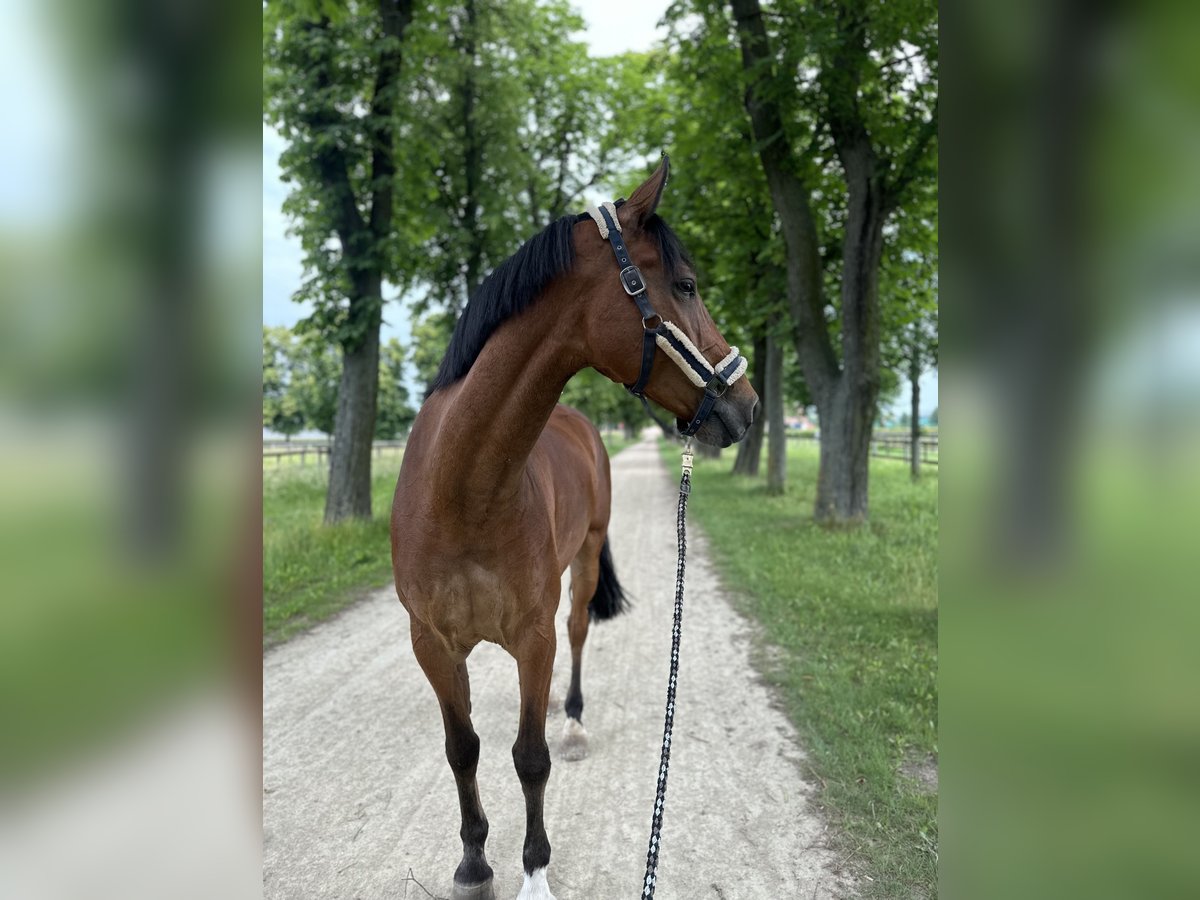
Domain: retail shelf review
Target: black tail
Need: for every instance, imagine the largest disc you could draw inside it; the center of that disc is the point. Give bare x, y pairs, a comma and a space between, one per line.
609, 599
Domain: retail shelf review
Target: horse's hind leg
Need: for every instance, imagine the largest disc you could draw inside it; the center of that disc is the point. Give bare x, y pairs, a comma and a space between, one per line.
585, 573
448, 676
531, 756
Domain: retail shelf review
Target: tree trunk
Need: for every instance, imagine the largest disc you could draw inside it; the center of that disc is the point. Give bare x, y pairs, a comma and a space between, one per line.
914, 376
349, 494
846, 420
750, 449
776, 430
847, 411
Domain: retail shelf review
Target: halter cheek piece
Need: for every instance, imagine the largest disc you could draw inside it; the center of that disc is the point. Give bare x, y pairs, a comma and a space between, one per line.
714, 380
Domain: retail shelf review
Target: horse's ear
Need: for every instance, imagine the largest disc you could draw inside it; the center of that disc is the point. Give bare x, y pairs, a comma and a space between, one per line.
641, 205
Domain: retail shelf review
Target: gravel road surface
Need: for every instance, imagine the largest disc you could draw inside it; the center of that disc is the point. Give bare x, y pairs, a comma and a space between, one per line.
357, 792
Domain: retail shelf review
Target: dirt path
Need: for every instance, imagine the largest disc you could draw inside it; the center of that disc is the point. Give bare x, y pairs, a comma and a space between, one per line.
357, 790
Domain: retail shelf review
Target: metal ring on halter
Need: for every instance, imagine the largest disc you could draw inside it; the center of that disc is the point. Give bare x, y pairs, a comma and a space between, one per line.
646, 319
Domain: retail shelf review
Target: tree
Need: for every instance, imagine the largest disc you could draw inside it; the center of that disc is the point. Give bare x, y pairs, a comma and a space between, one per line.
868, 115
331, 86
605, 403
909, 279
508, 106
395, 415
719, 202
430, 337
777, 431
749, 454
281, 412
315, 374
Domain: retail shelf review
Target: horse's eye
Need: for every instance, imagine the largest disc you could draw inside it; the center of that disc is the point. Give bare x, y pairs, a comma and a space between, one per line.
687, 287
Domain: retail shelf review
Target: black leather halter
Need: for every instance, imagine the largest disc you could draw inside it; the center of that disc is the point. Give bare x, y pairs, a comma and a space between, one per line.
716, 382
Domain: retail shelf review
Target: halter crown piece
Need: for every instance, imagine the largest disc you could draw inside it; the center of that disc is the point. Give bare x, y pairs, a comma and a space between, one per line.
715, 380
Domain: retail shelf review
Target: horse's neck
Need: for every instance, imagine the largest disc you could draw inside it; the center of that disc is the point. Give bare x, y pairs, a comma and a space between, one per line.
496, 413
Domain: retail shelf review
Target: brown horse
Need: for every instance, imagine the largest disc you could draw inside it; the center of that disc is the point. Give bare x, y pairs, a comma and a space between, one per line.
501, 488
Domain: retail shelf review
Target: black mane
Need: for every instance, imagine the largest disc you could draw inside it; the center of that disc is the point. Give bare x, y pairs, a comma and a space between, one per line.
515, 283
506, 292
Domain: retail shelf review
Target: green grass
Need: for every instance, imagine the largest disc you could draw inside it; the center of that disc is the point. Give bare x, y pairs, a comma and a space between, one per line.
311, 572
853, 613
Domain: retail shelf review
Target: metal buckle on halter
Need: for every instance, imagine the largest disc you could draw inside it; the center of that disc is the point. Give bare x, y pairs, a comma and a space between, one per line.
632, 281
717, 379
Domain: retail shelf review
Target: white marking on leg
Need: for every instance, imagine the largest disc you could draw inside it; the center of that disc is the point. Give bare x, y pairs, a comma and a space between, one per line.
535, 887
574, 745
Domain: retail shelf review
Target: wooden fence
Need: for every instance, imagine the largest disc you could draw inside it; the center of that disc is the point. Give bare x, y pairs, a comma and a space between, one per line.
317, 452
895, 446
899, 446
885, 446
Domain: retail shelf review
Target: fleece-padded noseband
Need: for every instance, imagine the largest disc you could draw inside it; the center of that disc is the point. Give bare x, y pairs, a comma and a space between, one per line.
714, 380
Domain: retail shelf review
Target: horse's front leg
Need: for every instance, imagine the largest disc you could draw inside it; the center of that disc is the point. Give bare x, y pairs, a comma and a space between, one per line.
448, 676
531, 756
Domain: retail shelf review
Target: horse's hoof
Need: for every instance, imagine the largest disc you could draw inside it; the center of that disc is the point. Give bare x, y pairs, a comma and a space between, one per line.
481, 891
574, 745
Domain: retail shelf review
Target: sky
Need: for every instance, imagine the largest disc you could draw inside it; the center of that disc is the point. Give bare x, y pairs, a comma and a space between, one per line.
613, 26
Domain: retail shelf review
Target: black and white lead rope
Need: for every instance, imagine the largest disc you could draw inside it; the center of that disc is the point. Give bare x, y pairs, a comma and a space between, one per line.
660, 796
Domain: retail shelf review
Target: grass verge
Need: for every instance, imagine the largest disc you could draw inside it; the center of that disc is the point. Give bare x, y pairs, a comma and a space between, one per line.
311, 571
853, 613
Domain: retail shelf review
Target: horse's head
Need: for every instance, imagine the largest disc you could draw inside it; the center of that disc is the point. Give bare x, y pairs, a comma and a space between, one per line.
616, 328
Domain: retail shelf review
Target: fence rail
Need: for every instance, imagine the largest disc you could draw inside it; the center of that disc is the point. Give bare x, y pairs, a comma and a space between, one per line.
896, 446
899, 446
318, 452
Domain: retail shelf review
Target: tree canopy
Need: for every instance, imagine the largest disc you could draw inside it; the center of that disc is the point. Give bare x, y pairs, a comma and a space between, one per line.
427, 140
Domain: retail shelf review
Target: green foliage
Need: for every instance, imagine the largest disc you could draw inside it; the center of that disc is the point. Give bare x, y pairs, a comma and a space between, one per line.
605, 403
908, 287
505, 102
300, 381
685, 96
321, 65
316, 369
301, 373
854, 619
393, 415
281, 413
431, 335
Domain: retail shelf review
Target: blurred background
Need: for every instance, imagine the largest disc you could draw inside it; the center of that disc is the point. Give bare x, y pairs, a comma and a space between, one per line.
131, 496
1071, 374
129, 574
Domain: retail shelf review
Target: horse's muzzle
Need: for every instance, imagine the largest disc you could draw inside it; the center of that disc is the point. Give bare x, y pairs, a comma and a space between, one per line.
728, 423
